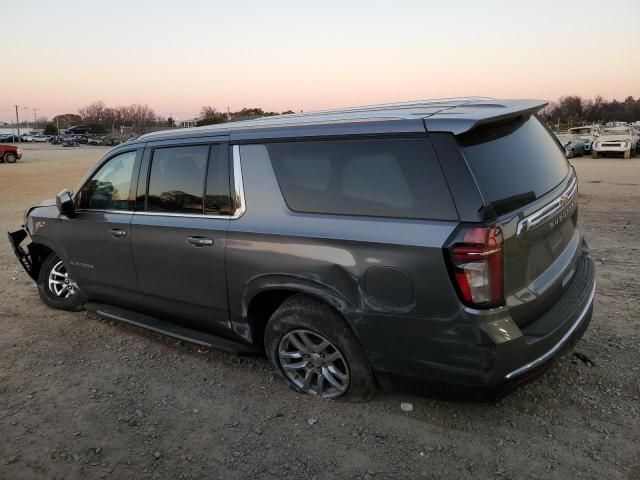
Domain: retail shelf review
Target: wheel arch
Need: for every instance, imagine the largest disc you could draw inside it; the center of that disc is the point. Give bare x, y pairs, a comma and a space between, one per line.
263, 295
39, 249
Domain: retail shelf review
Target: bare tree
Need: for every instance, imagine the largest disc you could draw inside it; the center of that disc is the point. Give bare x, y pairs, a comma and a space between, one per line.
94, 113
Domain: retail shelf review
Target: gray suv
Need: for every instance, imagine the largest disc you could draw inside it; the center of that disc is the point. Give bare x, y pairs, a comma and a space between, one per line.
412, 244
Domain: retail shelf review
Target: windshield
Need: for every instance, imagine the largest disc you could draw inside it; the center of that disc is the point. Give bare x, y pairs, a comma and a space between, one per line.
565, 138
515, 162
615, 132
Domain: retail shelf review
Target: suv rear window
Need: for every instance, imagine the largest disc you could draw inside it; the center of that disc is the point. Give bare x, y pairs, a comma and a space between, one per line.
515, 163
374, 177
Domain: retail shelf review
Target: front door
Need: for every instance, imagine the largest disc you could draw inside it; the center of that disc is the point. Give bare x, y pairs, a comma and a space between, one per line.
179, 236
97, 239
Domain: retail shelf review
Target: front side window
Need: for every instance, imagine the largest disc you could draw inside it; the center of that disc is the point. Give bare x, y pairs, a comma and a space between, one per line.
109, 188
177, 178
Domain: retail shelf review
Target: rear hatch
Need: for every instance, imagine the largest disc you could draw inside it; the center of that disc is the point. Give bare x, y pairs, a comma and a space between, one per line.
531, 191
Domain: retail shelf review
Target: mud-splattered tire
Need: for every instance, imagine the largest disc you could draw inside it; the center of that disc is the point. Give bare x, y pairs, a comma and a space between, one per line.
57, 290
306, 338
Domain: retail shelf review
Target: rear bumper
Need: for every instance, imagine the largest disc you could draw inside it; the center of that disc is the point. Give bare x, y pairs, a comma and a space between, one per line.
570, 337
506, 355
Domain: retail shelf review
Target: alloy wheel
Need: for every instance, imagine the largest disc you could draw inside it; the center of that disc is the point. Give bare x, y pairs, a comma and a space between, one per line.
313, 364
60, 284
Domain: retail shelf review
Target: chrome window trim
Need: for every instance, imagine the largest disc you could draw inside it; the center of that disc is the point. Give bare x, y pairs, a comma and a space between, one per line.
97, 210
550, 353
550, 209
237, 194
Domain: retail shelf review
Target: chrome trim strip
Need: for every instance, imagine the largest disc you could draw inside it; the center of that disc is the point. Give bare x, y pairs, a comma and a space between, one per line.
97, 210
238, 183
549, 209
238, 197
557, 346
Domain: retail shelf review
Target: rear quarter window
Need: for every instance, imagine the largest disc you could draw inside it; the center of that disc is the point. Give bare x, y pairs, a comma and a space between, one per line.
515, 163
374, 177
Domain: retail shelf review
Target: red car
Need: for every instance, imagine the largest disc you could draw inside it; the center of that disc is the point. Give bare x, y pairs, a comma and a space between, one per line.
10, 153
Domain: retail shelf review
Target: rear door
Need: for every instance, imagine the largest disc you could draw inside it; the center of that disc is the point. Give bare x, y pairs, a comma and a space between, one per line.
532, 190
179, 232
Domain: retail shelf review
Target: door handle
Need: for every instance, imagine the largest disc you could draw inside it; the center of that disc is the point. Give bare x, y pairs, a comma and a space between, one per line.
200, 241
117, 233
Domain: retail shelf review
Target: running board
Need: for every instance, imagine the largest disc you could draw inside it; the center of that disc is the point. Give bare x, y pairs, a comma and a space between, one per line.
171, 329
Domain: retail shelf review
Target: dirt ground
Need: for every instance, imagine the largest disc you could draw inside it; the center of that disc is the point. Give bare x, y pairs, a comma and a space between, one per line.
81, 397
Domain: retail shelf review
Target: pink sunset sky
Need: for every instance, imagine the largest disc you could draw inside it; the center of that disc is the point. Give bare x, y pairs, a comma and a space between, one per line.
278, 55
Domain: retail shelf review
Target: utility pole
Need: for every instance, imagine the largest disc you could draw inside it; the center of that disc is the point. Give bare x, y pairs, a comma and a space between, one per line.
35, 121
57, 126
18, 124
228, 115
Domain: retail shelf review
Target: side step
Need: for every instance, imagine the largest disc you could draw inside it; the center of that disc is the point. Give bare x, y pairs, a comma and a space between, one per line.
171, 329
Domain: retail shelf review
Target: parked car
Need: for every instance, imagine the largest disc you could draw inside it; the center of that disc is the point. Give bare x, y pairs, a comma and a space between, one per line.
587, 133
26, 137
9, 138
573, 145
10, 153
78, 130
615, 141
395, 245
40, 138
70, 142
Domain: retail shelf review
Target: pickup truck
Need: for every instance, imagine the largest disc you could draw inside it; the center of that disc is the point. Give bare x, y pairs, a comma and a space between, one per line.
10, 153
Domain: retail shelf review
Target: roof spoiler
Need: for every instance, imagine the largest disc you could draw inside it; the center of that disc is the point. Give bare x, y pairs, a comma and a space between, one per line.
467, 117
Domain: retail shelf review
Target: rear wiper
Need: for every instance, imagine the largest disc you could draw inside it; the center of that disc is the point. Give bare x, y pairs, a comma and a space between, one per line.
509, 204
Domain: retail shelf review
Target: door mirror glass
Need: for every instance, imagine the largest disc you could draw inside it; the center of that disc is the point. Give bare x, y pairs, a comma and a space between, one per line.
64, 202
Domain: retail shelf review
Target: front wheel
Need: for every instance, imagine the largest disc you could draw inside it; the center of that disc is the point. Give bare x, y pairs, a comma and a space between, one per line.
313, 349
10, 157
56, 288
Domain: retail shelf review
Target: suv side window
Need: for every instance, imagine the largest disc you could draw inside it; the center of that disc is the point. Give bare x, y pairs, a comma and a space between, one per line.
190, 180
176, 180
109, 187
218, 191
397, 177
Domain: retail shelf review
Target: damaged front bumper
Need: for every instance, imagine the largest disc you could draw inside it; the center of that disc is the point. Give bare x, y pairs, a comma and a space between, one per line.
24, 257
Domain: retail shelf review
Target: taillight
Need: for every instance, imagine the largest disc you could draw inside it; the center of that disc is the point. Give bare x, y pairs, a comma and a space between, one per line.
476, 262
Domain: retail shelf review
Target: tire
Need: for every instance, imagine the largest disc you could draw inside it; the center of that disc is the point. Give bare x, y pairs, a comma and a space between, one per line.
569, 153
73, 301
594, 154
301, 317
627, 154
10, 157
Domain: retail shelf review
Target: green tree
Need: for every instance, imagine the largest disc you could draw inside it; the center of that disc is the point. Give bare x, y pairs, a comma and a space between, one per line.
50, 129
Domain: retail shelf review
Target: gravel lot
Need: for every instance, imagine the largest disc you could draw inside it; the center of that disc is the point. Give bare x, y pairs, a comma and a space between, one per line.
85, 398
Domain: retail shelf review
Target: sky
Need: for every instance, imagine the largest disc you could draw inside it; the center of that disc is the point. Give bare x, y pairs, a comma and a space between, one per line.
177, 56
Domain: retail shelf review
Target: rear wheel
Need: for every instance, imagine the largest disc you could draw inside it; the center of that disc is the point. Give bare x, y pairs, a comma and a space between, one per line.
10, 157
55, 286
313, 349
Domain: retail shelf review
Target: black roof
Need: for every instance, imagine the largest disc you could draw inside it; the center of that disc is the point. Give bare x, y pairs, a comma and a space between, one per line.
455, 115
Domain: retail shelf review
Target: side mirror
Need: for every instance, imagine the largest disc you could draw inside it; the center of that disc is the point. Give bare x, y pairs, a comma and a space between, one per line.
64, 202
